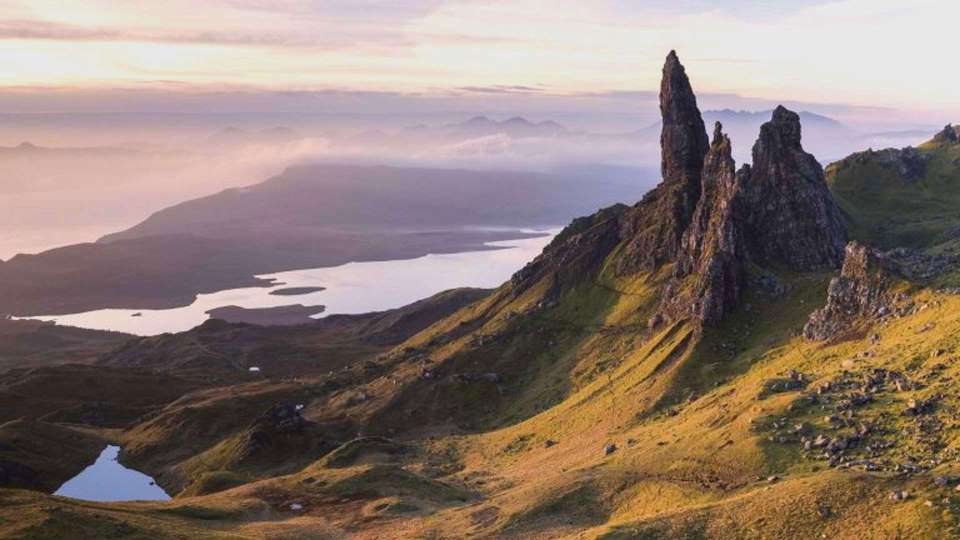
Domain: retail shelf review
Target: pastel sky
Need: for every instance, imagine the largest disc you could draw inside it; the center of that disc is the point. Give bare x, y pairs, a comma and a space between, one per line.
877, 53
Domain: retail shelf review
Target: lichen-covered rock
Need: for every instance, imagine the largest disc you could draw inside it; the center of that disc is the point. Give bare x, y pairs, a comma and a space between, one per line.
861, 291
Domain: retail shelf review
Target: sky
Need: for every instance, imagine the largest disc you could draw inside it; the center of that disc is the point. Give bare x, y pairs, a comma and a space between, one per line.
369, 54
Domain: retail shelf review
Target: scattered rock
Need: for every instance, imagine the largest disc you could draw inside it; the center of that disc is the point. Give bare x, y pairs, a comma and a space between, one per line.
609, 449
899, 495
824, 511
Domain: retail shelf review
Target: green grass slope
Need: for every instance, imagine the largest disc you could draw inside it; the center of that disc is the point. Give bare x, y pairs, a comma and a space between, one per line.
890, 207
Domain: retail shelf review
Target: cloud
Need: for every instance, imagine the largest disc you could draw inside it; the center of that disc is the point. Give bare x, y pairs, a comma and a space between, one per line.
806, 51
502, 89
50, 31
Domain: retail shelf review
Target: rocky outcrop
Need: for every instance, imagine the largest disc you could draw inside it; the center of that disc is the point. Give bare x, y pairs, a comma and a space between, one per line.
861, 291
907, 163
281, 418
276, 431
793, 218
949, 135
577, 251
649, 233
709, 220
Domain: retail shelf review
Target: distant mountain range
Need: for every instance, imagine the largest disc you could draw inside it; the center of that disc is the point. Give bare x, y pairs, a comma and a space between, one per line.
825, 137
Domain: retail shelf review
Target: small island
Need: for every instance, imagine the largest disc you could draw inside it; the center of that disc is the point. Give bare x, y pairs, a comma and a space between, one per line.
296, 291
275, 316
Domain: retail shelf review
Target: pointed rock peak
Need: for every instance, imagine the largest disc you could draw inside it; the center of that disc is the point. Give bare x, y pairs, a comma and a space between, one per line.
684, 137
721, 142
783, 113
717, 134
675, 86
672, 63
784, 128
655, 234
797, 222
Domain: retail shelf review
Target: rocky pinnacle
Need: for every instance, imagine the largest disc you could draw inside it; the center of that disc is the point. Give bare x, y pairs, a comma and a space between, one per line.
711, 255
655, 232
683, 140
794, 218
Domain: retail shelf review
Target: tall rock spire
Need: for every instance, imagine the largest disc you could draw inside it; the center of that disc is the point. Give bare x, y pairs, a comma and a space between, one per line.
656, 233
776, 214
683, 139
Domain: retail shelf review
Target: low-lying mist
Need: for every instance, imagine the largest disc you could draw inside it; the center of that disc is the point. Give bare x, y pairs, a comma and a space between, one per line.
59, 189
75, 178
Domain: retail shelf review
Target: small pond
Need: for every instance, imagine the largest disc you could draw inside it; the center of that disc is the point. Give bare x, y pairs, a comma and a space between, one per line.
108, 480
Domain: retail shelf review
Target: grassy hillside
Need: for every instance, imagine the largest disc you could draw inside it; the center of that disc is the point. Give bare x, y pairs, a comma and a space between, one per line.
708, 438
559, 405
897, 198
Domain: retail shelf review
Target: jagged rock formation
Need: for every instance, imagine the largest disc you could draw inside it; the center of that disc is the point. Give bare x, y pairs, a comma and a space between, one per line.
776, 213
712, 248
860, 291
709, 220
